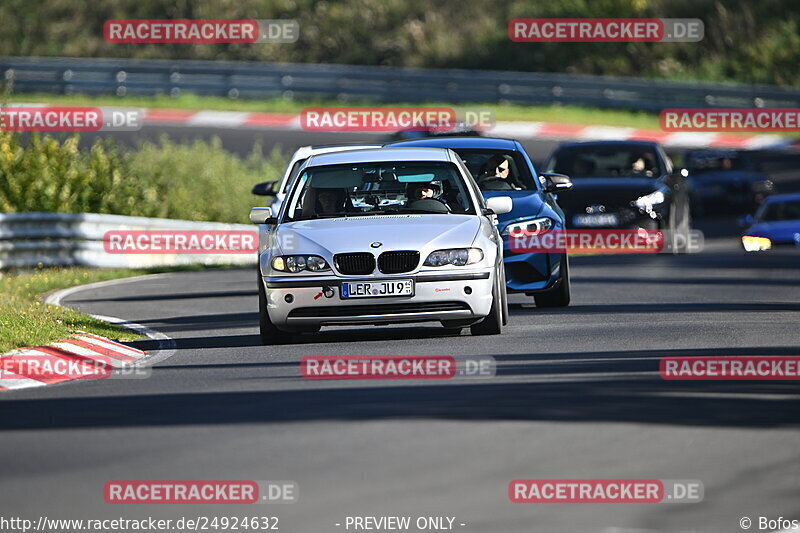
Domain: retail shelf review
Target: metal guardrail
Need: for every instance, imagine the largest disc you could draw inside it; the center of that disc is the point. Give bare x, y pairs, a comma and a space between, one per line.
130, 77
62, 239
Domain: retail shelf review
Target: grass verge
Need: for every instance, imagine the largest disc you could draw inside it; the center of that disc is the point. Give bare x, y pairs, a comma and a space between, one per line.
26, 321
503, 112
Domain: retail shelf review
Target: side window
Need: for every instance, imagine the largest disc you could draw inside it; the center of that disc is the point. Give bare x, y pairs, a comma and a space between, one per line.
299, 190
292, 174
476, 192
538, 183
667, 161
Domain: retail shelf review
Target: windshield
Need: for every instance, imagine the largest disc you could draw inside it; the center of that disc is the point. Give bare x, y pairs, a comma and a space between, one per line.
498, 170
777, 211
379, 189
702, 162
606, 162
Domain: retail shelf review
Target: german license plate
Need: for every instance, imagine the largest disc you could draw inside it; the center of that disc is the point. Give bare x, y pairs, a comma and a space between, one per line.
583, 221
377, 289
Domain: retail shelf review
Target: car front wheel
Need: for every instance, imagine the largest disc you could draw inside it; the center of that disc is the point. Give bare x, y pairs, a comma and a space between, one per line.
559, 296
270, 335
493, 323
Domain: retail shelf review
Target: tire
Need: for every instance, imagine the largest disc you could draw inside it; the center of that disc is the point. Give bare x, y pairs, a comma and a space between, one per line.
504, 293
270, 335
493, 323
559, 296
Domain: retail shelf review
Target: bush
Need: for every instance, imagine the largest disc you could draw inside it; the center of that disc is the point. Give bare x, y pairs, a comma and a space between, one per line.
198, 181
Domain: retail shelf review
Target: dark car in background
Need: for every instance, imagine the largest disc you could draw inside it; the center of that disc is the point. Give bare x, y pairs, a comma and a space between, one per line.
725, 181
621, 184
545, 276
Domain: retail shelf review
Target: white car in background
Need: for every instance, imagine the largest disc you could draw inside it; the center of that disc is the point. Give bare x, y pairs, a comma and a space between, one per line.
277, 189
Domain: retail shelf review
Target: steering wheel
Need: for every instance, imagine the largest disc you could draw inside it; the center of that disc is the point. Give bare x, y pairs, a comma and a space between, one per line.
429, 204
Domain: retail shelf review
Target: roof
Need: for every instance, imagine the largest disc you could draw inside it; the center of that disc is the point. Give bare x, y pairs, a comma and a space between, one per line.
458, 143
572, 144
306, 151
379, 155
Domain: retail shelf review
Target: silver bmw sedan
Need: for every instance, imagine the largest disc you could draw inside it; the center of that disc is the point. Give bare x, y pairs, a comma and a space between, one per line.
381, 236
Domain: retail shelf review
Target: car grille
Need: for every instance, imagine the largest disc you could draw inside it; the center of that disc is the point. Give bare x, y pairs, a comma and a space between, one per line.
397, 262
358, 263
371, 310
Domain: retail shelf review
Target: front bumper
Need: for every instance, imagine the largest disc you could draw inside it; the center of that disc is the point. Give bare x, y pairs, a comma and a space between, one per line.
316, 300
627, 218
531, 272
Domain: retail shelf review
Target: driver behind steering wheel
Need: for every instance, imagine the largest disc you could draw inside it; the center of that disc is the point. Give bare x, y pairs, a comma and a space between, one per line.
495, 175
424, 194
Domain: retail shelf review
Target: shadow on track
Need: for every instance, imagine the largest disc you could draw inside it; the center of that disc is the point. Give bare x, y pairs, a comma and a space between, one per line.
588, 387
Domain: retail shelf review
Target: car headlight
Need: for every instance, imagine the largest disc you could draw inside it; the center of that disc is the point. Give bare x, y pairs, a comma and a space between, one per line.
298, 263
528, 227
756, 244
454, 256
649, 200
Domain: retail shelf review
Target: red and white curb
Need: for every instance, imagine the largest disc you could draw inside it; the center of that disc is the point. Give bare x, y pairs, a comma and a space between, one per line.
516, 130
85, 348
79, 356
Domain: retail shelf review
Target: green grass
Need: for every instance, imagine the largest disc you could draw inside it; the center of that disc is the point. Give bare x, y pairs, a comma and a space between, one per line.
503, 112
26, 321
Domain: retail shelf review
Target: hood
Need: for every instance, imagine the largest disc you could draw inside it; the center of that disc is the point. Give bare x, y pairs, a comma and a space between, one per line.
526, 204
782, 231
396, 232
610, 192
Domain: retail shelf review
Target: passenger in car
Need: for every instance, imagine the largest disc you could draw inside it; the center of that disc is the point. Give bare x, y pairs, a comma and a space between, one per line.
330, 201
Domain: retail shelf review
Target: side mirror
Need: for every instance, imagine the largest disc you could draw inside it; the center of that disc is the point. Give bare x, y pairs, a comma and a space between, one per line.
556, 182
746, 221
266, 188
262, 215
500, 205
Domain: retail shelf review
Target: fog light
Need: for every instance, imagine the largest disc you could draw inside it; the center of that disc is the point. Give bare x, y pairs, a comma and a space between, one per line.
288, 298
467, 290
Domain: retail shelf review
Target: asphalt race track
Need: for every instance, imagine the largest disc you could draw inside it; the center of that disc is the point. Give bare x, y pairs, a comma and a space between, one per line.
577, 396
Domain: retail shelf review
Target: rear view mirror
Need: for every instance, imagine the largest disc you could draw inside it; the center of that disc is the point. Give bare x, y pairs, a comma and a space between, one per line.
556, 182
500, 204
266, 188
262, 215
